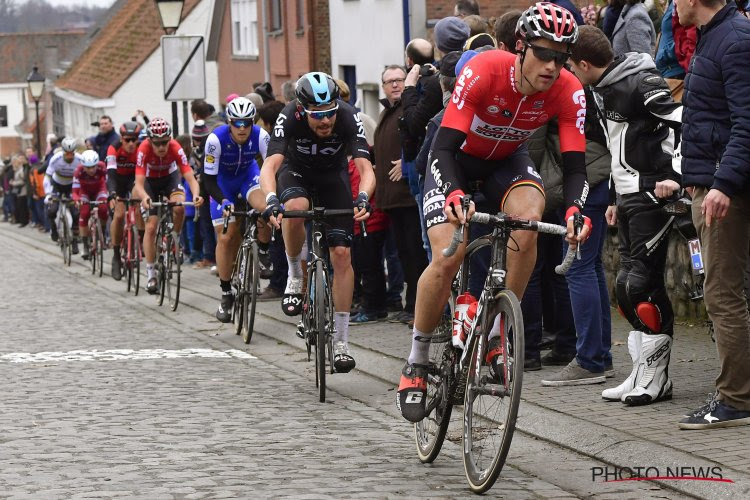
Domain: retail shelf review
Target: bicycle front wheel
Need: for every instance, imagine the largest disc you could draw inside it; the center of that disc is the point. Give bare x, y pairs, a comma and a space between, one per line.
161, 266
238, 283
320, 326
173, 271
92, 251
429, 433
491, 405
65, 243
137, 250
252, 276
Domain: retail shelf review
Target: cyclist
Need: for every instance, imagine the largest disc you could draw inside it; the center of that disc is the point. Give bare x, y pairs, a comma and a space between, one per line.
311, 140
58, 180
121, 158
499, 99
158, 166
89, 183
230, 174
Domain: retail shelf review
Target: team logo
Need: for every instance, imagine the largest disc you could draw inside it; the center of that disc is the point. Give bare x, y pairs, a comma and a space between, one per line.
210, 159
507, 113
543, 117
211, 148
493, 110
538, 104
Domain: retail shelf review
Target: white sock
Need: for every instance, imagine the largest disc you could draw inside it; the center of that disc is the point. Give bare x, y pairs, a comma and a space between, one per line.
495, 330
341, 323
149, 271
295, 266
420, 347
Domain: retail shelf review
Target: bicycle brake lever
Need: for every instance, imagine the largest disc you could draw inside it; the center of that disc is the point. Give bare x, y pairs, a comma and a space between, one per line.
578, 226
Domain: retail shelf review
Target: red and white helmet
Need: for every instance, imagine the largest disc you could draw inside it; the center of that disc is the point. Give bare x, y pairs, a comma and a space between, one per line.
158, 127
547, 20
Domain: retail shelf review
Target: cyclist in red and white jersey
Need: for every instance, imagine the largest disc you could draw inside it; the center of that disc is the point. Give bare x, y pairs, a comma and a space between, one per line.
499, 100
158, 166
121, 160
89, 184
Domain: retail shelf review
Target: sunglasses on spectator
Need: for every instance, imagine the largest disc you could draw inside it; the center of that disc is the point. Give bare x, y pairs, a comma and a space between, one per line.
159, 144
129, 139
394, 80
546, 55
241, 123
322, 115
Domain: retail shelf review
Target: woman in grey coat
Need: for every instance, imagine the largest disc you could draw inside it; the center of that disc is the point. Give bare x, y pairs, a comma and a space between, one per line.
634, 31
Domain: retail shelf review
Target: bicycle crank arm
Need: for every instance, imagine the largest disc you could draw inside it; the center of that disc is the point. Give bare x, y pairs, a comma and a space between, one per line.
484, 389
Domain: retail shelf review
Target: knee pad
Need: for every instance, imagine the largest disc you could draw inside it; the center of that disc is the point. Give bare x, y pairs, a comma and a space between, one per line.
649, 315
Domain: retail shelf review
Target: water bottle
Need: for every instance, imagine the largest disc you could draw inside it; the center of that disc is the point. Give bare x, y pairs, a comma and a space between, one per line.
471, 314
463, 303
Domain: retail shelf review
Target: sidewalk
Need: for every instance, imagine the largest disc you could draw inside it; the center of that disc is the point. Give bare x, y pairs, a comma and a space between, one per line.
573, 417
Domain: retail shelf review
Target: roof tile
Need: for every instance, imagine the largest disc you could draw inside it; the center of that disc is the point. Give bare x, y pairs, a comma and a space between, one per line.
28, 48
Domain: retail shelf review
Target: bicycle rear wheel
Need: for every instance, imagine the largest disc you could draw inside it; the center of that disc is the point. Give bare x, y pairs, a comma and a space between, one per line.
429, 433
252, 276
491, 406
65, 244
137, 257
320, 327
99, 248
161, 266
173, 271
92, 250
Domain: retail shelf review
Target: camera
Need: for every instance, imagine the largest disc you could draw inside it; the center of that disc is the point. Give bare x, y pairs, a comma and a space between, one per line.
427, 70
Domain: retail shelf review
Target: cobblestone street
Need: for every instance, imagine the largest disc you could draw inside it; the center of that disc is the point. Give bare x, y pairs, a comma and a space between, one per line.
179, 408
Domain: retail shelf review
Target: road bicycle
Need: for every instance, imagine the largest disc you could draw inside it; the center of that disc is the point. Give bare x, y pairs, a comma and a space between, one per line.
132, 246
462, 377
317, 327
64, 224
245, 274
169, 253
96, 251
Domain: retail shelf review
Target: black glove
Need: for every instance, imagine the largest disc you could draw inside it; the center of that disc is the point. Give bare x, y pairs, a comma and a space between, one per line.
273, 207
362, 202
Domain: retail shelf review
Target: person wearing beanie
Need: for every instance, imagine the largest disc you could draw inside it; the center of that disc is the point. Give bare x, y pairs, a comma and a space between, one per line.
205, 233
450, 34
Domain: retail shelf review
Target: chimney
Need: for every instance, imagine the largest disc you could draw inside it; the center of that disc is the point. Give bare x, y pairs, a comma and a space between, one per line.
51, 62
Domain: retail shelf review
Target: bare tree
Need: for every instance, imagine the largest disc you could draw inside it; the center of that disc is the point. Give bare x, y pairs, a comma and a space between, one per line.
39, 15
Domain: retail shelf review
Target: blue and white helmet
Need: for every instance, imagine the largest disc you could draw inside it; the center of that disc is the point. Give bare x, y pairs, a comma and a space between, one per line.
316, 89
241, 108
89, 158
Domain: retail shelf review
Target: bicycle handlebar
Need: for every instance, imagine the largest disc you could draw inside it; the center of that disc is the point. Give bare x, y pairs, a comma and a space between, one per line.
328, 212
238, 213
514, 223
172, 204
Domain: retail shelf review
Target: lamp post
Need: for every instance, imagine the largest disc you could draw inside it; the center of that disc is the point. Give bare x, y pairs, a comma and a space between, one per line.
170, 14
36, 89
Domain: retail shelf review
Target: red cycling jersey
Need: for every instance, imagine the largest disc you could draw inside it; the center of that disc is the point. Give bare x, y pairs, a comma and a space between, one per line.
150, 165
89, 186
121, 161
497, 118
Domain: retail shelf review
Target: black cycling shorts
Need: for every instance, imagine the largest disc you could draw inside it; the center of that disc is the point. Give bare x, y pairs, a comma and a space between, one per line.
124, 185
162, 187
499, 177
334, 191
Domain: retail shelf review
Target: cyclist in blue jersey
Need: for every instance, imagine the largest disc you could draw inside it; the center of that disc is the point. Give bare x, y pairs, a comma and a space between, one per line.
230, 174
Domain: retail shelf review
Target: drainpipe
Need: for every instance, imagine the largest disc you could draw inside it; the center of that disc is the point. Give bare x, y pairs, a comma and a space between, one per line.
266, 56
406, 15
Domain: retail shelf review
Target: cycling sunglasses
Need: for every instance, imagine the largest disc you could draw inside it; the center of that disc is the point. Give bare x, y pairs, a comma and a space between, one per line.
129, 139
241, 123
159, 144
321, 115
546, 55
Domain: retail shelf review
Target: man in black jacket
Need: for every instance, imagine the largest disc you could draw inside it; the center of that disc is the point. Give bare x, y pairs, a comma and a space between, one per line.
639, 118
106, 136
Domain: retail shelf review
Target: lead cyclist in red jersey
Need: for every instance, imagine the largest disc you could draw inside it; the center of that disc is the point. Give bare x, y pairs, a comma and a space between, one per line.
158, 166
499, 100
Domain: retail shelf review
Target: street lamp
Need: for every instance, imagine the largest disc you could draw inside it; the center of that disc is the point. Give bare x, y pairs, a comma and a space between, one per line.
36, 89
170, 12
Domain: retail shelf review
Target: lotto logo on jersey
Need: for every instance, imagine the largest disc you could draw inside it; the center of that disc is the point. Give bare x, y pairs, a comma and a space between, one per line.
499, 132
579, 97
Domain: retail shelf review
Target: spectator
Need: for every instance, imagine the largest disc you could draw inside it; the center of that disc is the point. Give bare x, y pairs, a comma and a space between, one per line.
287, 90
631, 97
265, 91
685, 38
465, 8
612, 12
52, 144
188, 236
199, 134
634, 31
716, 169
18, 184
481, 40
477, 24
201, 110
421, 98
450, 34
392, 190
505, 30
666, 57
9, 198
256, 100
571, 7
37, 195
106, 137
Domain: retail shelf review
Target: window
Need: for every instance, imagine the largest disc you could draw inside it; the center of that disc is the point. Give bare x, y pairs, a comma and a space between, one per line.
349, 75
300, 15
244, 27
3, 116
275, 15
